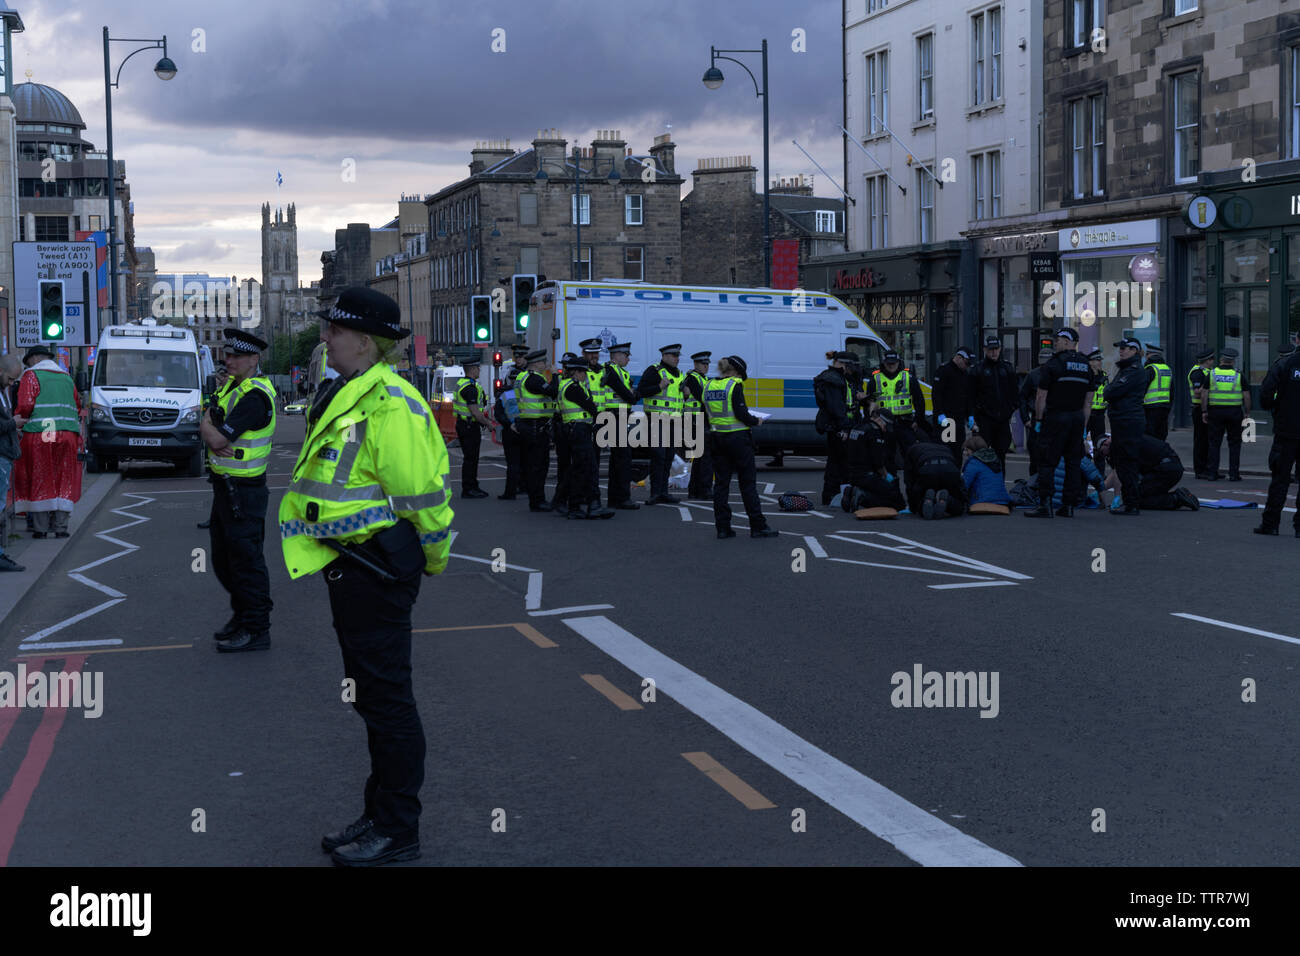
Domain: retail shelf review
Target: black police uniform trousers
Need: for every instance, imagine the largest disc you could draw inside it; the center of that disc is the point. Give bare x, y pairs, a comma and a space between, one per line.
471, 443
998, 434
620, 465
1097, 428
661, 459
579, 477
1125, 443
1031, 446
1157, 420
1282, 460
563, 455
733, 454
373, 622
936, 475
1200, 443
837, 467
1225, 420
1062, 436
1155, 490
701, 483
512, 445
237, 532
536, 436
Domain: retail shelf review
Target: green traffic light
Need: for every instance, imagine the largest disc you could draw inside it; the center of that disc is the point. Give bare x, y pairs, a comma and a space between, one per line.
482, 333
54, 331
523, 321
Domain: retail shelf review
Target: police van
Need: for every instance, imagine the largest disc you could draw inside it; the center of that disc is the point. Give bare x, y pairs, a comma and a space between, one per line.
145, 397
782, 337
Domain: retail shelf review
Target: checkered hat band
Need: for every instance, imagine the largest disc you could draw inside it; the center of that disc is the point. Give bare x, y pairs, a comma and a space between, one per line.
239, 345
337, 313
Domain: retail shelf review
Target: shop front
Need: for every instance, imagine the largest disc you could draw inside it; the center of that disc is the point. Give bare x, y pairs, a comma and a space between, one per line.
1013, 270
911, 296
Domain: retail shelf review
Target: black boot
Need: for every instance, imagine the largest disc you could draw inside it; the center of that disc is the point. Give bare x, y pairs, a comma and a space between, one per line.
1065, 511
1044, 509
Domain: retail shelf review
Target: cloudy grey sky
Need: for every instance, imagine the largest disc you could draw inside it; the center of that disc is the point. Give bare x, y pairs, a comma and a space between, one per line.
405, 88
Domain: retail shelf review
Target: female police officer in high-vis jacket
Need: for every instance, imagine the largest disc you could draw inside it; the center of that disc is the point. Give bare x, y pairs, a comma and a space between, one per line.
368, 505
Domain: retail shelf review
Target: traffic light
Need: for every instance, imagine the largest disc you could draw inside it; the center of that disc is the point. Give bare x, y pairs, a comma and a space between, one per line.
522, 287
1044, 342
481, 306
496, 358
52, 329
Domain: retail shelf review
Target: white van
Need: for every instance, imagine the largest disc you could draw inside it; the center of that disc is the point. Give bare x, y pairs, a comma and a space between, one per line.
146, 397
783, 339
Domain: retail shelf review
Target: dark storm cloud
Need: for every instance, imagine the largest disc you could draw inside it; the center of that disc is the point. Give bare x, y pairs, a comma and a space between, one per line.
425, 72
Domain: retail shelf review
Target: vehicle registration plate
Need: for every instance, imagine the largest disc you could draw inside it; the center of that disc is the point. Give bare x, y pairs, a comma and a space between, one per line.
145, 442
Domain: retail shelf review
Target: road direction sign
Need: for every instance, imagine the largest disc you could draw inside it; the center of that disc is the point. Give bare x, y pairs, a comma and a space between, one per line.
72, 263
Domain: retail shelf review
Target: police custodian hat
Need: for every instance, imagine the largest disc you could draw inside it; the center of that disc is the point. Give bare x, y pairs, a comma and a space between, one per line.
237, 340
621, 347
1204, 354
590, 345
535, 356
364, 310
675, 349
701, 356
992, 342
739, 365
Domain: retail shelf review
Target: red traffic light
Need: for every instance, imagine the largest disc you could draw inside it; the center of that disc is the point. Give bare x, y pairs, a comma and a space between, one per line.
496, 358
498, 384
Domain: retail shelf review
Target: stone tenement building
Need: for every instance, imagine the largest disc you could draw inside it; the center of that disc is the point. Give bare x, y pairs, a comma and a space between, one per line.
503, 219
722, 223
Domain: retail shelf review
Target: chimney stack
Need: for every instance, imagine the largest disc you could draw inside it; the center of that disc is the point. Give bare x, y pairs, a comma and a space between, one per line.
550, 146
663, 150
487, 154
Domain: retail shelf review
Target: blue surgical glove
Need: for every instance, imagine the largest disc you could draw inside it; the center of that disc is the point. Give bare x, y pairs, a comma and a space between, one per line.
1038, 426
889, 477
943, 419
970, 421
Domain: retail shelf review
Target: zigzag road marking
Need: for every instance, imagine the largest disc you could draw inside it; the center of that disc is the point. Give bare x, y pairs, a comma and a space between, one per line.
31, 642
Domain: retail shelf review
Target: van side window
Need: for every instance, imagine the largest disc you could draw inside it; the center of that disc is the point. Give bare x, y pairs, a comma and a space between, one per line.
868, 352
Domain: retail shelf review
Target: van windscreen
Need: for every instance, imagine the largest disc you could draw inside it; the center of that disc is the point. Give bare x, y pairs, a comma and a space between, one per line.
146, 369
868, 352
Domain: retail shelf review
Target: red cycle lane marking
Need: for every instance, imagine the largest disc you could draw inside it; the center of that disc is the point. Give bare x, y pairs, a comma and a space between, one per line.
13, 806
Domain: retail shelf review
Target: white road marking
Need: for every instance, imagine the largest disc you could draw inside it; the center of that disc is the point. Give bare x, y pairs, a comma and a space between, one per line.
512, 567
571, 610
935, 554
54, 628
533, 599
102, 588
1238, 627
918, 835
815, 546
899, 567
769, 488
685, 512
973, 584
63, 645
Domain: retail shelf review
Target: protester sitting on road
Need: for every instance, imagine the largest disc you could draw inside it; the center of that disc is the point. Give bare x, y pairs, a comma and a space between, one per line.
1159, 471
934, 484
1091, 477
982, 473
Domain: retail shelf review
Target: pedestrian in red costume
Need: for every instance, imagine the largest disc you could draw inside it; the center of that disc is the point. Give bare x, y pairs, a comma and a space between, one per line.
47, 475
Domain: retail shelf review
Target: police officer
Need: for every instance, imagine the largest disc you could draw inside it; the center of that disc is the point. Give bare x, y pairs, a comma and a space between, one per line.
560, 438
1062, 403
578, 417
618, 385
898, 391
1127, 421
1223, 407
1155, 404
1097, 415
1279, 393
468, 403
953, 399
835, 404
237, 430
660, 390
995, 398
604, 403
368, 505
505, 410
701, 484
536, 398
1198, 380
1029, 406
729, 422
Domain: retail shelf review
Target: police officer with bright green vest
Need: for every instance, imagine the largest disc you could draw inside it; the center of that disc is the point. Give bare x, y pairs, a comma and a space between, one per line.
660, 389
1160, 380
535, 395
898, 391
618, 384
468, 404
578, 410
1198, 380
368, 505
237, 429
604, 401
1097, 416
701, 484
1224, 406
729, 422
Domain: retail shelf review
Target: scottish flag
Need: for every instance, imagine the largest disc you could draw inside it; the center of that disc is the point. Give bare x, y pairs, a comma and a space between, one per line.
279, 180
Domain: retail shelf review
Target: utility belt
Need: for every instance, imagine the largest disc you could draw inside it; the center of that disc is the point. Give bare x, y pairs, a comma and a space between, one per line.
393, 554
233, 482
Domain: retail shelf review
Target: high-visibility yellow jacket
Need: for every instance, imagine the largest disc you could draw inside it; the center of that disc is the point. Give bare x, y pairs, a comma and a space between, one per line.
375, 456
252, 448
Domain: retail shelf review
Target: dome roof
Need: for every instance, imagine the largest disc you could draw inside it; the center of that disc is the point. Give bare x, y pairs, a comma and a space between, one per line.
34, 103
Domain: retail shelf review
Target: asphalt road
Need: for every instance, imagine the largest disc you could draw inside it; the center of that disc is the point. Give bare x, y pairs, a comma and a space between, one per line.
772, 738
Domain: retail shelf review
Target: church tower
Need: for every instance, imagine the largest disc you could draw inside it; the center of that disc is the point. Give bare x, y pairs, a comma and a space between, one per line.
279, 265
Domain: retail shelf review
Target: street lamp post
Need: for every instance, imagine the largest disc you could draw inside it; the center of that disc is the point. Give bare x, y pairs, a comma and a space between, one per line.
165, 70
713, 80
614, 177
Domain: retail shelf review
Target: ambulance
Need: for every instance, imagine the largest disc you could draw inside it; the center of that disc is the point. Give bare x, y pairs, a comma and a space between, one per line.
146, 395
782, 337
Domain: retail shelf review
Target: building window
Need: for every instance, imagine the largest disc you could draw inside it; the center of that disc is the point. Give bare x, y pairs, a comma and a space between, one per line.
528, 259
528, 209
925, 206
1185, 6
977, 59
874, 6
633, 262
978, 186
1187, 120
995, 54
51, 228
826, 220
995, 184
986, 56
877, 92
1087, 119
633, 210
925, 76
1292, 150
95, 223
586, 209
877, 195
581, 270
1082, 18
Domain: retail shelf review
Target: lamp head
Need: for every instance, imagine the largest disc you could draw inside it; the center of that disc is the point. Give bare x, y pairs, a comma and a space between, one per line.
165, 68
713, 78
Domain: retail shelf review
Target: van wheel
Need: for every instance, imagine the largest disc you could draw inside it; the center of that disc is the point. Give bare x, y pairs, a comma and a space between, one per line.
194, 467
94, 464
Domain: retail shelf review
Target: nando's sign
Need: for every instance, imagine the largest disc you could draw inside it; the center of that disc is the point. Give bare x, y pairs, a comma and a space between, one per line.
862, 279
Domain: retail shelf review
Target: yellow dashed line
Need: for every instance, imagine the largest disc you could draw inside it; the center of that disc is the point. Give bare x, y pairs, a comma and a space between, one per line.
527, 630
729, 782
619, 699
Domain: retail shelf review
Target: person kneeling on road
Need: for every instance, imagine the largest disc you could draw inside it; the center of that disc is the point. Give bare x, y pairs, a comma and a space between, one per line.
1160, 471
870, 484
982, 473
934, 484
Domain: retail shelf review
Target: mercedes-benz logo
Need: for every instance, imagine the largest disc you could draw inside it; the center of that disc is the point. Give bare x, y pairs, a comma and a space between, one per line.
145, 415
